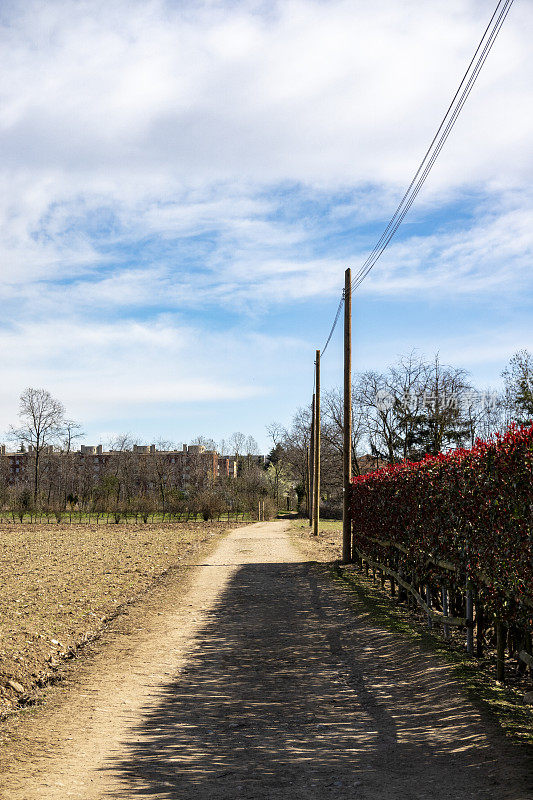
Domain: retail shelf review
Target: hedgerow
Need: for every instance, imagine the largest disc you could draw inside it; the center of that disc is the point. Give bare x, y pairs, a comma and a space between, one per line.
470, 510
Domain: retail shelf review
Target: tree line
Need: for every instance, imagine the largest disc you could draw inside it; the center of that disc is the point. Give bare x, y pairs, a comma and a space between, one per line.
55, 480
415, 407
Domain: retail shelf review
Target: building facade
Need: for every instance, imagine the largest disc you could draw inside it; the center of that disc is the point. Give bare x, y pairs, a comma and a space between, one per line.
193, 464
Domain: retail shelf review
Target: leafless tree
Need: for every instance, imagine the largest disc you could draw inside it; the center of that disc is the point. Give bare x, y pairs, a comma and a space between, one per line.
71, 431
4, 478
237, 444
371, 396
251, 446
406, 384
205, 442
122, 465
443, 421
415, 407
278, 467
332, 428
295, 441
484, 414
161, 469
41, 425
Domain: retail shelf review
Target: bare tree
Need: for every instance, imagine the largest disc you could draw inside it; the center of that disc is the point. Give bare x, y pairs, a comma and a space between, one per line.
371, 394
332, 427
71, 431
162, 469
278, 467
4, 478
406, 384
443, 422
484, 414
237, 444
295, 444
205, 442
251, 447
65, 465
41, 424
414, 408
122, 465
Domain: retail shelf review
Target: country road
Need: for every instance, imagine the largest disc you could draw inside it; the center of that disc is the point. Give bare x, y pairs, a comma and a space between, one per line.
262, 681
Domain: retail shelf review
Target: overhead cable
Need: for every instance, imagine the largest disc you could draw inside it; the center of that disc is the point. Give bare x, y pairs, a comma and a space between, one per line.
446, 126
450, 118
337, 315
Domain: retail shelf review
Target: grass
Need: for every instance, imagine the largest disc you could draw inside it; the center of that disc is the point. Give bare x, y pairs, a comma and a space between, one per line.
91, 518
502, 703
325, 525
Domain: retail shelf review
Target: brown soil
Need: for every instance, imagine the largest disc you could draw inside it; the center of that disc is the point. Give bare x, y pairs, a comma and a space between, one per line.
62, 583
258, 679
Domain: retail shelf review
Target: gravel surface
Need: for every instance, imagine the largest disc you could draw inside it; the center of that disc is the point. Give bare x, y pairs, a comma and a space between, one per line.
259, 679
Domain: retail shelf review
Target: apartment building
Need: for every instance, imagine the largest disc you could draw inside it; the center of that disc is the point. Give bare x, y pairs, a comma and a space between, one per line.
192, 463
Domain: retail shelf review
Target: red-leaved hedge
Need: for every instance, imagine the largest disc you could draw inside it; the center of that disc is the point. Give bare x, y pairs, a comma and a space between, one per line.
470, 508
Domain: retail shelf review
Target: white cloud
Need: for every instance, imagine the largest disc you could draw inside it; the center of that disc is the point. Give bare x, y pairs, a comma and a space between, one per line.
488, 257
164, 155
135, 119
129, 96
336, 91
127, 367
491, 258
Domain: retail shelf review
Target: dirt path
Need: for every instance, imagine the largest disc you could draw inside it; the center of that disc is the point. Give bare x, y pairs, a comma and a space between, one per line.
263, 683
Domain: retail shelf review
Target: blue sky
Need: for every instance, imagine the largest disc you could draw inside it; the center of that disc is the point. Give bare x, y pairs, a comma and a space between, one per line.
184, 184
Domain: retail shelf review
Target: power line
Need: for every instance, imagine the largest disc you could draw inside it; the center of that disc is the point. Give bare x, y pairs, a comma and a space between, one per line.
446, 126
448, 122
337, 315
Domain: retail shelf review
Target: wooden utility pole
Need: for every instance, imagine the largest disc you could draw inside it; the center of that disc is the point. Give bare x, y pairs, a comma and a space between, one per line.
312, 464
316, 472
308, 484
347, 420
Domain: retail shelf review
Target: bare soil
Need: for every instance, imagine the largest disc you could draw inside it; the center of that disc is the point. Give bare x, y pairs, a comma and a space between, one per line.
60, 584
256, 677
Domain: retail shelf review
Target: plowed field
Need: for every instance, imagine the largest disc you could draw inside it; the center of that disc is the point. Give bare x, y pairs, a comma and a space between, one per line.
59, 584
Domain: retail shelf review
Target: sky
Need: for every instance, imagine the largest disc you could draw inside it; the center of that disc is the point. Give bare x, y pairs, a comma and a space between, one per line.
184, 183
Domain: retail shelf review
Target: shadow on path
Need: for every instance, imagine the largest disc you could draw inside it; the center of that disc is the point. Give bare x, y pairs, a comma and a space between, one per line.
288, 694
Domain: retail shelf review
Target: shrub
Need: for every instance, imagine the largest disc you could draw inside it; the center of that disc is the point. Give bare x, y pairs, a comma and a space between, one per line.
472, 509
23, 503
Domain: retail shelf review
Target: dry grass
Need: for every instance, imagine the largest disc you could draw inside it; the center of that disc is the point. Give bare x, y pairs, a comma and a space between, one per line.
61, 583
